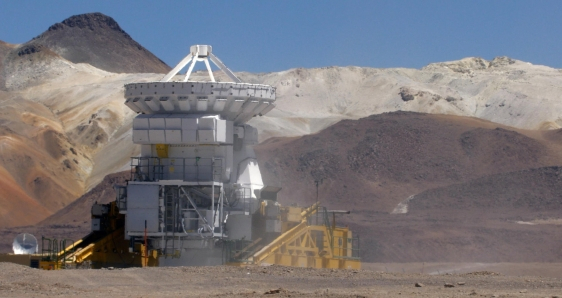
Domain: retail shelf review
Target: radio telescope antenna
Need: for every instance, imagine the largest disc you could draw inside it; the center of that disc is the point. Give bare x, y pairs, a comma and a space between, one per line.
25, 244
200, 53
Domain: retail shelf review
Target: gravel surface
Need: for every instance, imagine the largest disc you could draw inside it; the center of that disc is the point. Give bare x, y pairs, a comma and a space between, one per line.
272, 281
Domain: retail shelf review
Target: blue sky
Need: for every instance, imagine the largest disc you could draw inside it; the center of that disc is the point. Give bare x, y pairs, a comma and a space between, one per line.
264, 36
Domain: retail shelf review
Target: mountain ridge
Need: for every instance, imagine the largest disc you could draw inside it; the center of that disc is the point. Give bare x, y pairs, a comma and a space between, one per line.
98, 40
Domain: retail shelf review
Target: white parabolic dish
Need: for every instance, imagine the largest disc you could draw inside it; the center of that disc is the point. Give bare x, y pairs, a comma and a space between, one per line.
25, 244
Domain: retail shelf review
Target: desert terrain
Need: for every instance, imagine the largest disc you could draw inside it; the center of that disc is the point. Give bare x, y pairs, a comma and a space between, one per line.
452, 172
272, 281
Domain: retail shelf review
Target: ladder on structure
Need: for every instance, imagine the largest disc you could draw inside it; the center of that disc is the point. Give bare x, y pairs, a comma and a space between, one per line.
170, 224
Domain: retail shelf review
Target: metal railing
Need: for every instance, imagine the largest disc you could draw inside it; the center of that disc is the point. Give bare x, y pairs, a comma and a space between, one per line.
341, 247
195, 169
321, 218
121, 197
240, 251
53, 250
241, 199
347, 248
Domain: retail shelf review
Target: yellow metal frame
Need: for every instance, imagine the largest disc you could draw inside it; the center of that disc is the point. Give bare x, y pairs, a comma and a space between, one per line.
300, 245
111, 250
297, 247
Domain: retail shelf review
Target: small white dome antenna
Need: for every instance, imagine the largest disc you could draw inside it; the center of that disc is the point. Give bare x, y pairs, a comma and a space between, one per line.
25, 244
200, 53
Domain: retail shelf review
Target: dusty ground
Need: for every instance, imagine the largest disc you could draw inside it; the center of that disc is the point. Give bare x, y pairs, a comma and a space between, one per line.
273, 281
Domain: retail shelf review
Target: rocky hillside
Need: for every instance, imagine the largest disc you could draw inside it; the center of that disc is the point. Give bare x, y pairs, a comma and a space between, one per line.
58, 116
429, 188
98, 40
5, 48
379, 161
505, 91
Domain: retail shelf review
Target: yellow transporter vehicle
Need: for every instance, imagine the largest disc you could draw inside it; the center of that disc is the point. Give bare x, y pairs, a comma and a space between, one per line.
308, 239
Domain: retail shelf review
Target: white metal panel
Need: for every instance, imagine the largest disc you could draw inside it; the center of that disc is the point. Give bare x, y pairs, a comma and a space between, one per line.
146, 150
207, 123
142, 205
236, 105
207, 87
190, 173
136, 218
260, 107
175, 169
222, 89
189, 136
173, 122
221, 131
140, 136
239, 226
139, 102
202, 104
141, 122
129, 102
184, 103
189, 123
153, 103
250, 106
229, 132
173, 136
206, 136
197, 88
251, 90
174, 102
142, 196
219, 104
157, 136
181, 88
225, 88
157, 123
167, 103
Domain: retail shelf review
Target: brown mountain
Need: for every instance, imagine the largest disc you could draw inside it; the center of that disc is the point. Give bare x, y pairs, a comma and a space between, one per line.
41, 169
98, 40
429, 187
55, 117
383, 159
